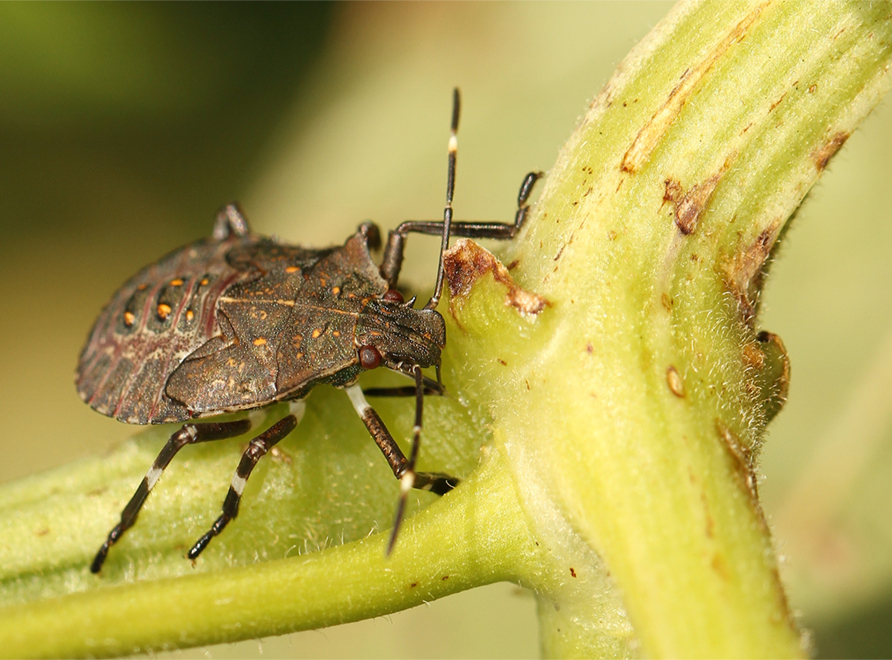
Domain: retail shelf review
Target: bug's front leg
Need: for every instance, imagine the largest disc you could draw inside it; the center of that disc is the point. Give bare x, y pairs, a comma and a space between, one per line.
403, 468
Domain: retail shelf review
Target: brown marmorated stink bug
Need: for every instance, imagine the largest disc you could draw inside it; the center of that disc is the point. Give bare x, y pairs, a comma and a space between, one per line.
239, 321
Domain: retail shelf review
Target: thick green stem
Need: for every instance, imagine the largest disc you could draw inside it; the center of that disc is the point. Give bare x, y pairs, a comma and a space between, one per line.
642, 405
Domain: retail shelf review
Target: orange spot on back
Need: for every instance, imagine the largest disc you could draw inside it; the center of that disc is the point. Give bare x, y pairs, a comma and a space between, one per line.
129, 318
163, 311
260, 341
176, 282
292, 269
316, 333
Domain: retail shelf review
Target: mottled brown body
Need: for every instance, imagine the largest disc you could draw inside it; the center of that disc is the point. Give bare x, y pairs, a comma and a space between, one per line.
239, 322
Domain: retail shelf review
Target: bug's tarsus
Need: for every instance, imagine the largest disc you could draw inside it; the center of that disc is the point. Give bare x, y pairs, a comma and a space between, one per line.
257, 449
526, 187
230, 221
189, 434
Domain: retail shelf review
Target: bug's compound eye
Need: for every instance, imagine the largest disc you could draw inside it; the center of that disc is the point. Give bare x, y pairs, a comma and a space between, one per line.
392, 295
369, 357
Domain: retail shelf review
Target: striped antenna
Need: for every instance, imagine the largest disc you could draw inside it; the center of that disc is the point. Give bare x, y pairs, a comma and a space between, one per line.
450, 190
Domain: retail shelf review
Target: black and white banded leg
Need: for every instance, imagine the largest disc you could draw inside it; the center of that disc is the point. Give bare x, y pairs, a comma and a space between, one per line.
189, 434
256, 450
403, 468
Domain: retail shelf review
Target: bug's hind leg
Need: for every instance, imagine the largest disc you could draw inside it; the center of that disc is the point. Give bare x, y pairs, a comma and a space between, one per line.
189, 434
256, 450
403, 468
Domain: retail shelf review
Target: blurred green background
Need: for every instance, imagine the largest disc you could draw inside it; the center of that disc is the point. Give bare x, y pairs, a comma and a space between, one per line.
124, 127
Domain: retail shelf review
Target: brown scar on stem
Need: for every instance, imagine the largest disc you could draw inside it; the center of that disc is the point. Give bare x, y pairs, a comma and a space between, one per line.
689, 206
822, 155
777, 103
466, 262
676, 384
708, 519
741, 458
743, 272
652, 133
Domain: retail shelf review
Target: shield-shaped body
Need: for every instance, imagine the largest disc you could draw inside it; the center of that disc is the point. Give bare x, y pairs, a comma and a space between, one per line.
225, 325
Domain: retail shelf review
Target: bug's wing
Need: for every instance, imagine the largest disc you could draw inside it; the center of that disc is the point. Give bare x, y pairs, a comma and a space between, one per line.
284, 332
160, 316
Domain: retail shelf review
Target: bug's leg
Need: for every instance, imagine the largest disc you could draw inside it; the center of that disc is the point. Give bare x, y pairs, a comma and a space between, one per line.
230, 221
189, 434
435, 482
256, 450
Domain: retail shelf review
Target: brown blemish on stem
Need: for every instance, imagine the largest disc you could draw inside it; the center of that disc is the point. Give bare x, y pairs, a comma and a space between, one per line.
753, 358
652, 133
672, 192
777, 103
708, 519
743, 273
466, 262
822, 155
741, 462
689, 206
673, 379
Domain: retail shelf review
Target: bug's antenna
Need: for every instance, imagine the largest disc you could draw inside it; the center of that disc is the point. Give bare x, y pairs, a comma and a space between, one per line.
450, 189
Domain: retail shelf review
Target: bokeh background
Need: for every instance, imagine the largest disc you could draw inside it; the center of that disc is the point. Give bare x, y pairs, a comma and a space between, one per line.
124, 127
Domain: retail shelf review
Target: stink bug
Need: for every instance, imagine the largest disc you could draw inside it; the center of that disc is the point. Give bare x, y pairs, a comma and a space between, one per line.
239, 321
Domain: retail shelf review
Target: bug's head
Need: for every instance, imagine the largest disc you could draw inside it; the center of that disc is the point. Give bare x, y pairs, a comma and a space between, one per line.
393, 334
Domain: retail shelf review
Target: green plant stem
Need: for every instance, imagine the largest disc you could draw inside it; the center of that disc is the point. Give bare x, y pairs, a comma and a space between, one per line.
342, 584
640, 405
618, 367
